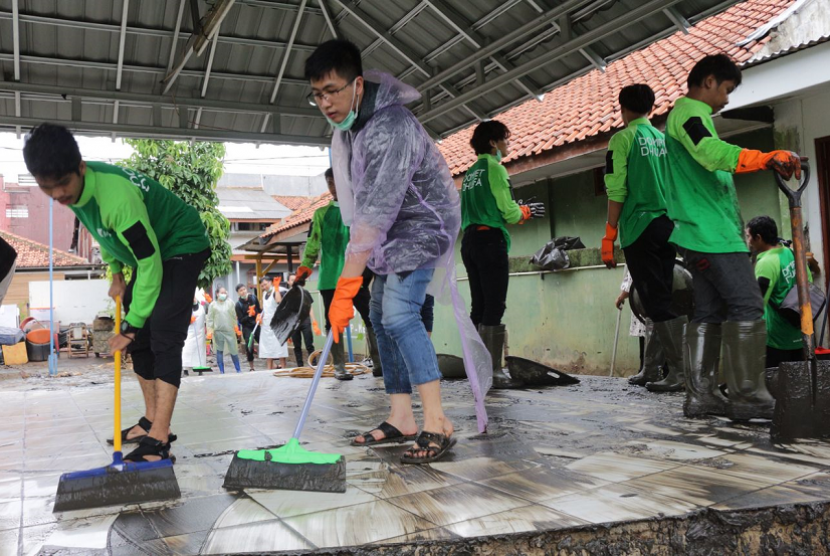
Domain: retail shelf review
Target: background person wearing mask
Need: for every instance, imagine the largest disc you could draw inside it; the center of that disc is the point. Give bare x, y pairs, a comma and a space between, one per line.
269, 346
221, 326
487, 206
247, 309
194, 353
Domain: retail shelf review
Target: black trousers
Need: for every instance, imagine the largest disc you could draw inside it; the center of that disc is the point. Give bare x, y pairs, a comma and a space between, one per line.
157, 349
777, 356
484, 253
303, 332
361, 300
650, 261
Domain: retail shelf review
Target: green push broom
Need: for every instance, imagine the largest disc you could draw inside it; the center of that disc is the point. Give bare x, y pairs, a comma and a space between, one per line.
120, 482
290, 467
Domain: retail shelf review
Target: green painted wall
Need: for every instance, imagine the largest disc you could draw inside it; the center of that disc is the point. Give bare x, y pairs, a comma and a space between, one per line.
567, 319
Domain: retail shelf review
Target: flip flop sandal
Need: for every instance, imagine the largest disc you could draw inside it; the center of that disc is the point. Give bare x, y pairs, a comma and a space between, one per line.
435, 444
391, 434
145, 424
149, 447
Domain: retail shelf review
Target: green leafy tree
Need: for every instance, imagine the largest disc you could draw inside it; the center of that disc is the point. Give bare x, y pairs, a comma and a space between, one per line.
191, 171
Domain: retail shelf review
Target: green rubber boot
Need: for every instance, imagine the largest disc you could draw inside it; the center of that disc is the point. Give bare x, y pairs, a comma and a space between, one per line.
653, 359
339, 357
493, 338
702, 345
744, 354
374, 352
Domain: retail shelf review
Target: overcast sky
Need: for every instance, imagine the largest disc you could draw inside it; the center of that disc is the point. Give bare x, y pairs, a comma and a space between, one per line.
240, 158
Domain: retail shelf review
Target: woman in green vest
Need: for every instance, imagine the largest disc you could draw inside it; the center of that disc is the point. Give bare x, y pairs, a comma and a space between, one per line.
487, 207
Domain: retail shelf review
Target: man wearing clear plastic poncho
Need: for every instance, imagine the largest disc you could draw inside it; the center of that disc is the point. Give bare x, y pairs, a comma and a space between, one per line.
398, 197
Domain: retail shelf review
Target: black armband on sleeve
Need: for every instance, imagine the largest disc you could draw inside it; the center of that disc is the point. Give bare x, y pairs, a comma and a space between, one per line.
136, 236
696, 130
609, 162
763, 283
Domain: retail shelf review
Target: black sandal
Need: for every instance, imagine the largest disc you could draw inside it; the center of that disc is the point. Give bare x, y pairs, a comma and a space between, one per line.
145, 424
433, 443
391, 434
149, 447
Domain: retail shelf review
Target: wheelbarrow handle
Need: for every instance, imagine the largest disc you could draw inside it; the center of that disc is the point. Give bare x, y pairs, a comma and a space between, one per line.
794, 195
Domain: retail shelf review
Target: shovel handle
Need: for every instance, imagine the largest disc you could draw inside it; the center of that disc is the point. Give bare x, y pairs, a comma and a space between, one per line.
794, 195
314, 382
116, 439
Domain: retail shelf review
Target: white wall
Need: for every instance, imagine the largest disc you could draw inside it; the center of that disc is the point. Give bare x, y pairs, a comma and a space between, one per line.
74, 300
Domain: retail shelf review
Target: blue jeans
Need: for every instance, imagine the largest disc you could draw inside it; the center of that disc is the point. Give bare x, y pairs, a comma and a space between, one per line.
405, 349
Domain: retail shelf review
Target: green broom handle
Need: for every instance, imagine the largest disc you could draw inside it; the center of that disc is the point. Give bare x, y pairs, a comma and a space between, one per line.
314, 382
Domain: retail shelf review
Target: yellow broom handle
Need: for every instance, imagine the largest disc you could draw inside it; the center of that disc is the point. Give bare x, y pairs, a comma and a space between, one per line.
116, 439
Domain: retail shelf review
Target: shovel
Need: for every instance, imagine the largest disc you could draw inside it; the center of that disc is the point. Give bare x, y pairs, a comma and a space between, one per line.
798, 411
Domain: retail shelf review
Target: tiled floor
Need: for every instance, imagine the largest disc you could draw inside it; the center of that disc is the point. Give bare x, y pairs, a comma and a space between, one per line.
598, 452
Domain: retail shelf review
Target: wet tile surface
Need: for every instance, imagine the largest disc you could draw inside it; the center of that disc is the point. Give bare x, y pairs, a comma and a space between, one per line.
598, 452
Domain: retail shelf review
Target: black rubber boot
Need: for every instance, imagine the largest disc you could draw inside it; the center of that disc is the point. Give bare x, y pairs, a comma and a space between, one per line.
653, 359
670, 334
701, 345
744, 354
339, 357
493, 338
298, 355
374, 353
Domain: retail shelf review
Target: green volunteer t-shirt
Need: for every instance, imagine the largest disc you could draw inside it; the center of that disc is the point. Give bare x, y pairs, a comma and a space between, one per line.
634, 176
487, 197
778, 266
137, 223
700, 194
329, 235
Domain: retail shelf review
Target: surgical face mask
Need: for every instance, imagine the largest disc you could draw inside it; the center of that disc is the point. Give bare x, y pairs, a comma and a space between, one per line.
349, 121
498, 155
222, 296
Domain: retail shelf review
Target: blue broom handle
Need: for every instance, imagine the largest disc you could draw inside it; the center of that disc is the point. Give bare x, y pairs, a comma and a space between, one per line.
314, 382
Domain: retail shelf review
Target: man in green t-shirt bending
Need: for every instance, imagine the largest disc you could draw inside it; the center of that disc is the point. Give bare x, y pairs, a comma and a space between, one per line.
775, 271
637, 210
328, 238
708, 232
140, 224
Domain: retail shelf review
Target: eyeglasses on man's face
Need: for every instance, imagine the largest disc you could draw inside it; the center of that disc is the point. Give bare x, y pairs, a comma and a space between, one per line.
317, 98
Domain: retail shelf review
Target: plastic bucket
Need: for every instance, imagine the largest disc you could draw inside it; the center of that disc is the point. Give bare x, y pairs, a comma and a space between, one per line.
39, 336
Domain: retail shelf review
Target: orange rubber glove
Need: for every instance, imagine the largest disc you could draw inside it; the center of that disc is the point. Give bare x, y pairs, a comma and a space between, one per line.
259, 318
208, 298
251, 310
303, 272
342, 308
237, 330
527, 214
192, 319
209, 335
786, 163
607, 250
316, 327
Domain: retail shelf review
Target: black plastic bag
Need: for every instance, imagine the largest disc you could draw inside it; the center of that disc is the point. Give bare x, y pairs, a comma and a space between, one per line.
553, 256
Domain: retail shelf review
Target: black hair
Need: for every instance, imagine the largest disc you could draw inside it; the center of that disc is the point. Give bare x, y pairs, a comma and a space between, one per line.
329, 174
638, 98
339, 56
240, 286
266, 278
51, 152
765, 227
719, 65
485, 132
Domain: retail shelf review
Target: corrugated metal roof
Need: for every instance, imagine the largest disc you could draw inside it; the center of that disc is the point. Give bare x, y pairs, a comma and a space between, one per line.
245, 203
65, 60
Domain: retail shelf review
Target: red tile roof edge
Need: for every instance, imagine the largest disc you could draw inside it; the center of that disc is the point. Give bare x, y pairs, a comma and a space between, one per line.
33, 254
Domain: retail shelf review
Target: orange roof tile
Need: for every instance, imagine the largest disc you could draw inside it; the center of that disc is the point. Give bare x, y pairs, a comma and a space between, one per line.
301, 215
31, 254
586, 107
